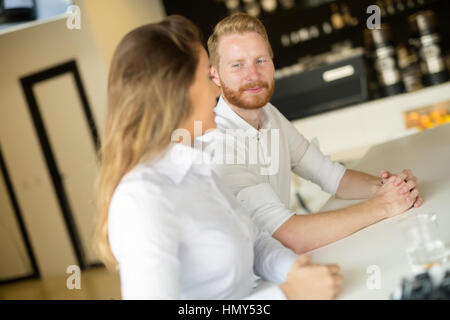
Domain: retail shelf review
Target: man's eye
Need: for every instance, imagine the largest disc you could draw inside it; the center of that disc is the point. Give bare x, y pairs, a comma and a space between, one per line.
236, 65
261, 61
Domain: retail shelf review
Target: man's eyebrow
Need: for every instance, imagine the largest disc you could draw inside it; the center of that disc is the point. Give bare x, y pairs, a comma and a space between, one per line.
257, 57
236, 60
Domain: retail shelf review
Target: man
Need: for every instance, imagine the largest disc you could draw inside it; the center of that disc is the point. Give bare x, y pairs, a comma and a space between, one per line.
242, 66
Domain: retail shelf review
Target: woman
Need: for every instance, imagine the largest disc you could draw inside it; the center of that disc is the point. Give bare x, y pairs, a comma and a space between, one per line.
166, 221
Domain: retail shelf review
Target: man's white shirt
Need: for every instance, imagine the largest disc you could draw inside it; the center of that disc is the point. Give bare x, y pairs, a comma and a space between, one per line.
257, 164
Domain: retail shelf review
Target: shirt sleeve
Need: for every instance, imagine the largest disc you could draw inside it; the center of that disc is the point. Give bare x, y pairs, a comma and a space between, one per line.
316, 167
272, 260
144, 233
308, 162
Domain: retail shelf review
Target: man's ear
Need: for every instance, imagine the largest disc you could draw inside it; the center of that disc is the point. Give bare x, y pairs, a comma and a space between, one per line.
215, 76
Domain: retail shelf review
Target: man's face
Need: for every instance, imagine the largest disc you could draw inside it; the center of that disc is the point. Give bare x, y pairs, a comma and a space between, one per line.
246, 71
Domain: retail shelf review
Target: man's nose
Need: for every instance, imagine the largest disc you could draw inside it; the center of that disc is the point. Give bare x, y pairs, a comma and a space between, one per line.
252, 73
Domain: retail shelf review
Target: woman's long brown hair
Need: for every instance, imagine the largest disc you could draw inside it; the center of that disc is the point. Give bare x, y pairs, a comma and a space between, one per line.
151, 72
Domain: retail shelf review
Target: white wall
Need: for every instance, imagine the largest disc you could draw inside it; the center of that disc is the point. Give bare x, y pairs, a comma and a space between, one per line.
37, 47
110, 20
24, 52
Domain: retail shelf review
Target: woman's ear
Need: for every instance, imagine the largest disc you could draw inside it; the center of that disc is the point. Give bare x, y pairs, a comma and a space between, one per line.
215, 76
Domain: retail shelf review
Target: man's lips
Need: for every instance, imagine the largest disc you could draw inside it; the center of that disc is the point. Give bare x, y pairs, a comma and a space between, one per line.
255, 89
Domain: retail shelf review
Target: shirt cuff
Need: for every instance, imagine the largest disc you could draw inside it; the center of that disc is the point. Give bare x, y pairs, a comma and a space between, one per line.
318, 168
285, 263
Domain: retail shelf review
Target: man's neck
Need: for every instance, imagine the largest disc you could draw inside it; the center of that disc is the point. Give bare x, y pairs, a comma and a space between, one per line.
251, 116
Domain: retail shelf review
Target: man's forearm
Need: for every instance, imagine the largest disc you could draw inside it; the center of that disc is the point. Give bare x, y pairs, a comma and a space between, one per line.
303, 233
357, 185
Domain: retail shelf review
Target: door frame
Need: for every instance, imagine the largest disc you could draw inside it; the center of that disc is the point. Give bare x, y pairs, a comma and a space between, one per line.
27, 83
23, 231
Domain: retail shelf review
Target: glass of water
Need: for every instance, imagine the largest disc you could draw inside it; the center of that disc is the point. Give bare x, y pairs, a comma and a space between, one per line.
424, 246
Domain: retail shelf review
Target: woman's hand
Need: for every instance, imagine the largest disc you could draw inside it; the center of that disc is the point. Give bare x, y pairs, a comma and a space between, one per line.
306, 281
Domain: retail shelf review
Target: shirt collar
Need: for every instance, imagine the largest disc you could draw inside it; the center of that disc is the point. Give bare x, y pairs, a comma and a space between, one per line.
179, 159
224, 110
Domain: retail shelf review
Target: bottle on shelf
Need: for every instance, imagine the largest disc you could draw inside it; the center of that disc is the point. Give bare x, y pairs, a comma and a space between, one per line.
382, 56
409, 68
390, 7
336, 17
426, 40
349, 20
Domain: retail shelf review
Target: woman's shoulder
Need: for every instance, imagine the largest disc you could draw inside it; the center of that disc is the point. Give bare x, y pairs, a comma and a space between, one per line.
144, 178
141, 209
143, 188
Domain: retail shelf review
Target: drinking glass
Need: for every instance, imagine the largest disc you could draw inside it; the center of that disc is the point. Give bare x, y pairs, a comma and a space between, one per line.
424, 247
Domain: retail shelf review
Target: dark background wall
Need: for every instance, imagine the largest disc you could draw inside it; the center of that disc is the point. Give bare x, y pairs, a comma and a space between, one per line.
206, 13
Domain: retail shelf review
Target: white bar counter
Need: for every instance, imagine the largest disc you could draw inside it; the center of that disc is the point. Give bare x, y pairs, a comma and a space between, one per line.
382, 245
346, 133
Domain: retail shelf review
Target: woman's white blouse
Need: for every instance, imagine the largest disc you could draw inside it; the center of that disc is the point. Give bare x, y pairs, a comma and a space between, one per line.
178, 233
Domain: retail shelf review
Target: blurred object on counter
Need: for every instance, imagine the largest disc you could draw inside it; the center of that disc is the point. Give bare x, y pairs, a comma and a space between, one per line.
428, 117
426, 39
433, 284
382, 56
423, 244
409, 68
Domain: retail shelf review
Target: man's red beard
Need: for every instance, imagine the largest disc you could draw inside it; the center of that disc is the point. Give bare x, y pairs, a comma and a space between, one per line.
249, 101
